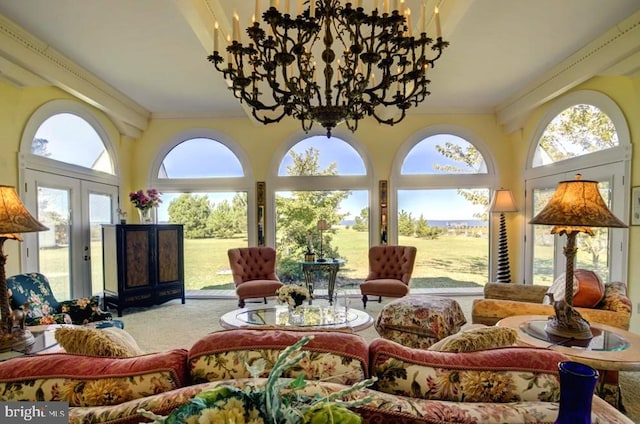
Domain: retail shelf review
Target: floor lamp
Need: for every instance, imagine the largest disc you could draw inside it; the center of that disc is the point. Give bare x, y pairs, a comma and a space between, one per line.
14, 219
503, 202
574, 207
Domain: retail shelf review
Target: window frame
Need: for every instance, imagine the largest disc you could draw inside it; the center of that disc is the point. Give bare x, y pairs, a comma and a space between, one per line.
488, 180
616, 158
217, 184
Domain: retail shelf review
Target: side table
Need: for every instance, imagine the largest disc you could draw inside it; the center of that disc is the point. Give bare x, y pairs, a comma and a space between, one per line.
330, 266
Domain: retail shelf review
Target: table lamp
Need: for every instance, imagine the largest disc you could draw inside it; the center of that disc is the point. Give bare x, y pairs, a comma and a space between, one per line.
14, 219
502, 202
321, 226
574, 207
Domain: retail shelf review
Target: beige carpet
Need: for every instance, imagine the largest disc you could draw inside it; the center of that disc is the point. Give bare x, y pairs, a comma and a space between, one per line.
174, 325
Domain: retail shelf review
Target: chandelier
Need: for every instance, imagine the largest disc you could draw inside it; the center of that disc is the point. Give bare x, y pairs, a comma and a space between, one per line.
330, 64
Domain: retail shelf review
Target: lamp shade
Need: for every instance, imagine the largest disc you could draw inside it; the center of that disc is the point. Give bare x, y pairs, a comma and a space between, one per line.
502, 201
14, 216
577, 203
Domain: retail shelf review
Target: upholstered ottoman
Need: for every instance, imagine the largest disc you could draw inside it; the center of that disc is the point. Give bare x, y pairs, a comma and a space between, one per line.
419, 321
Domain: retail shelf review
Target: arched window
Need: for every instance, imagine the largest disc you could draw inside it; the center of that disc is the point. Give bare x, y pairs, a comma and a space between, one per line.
200, 158
581, 133
578, 130
69, 138
205, 187
70, 181
320, 178
442, 182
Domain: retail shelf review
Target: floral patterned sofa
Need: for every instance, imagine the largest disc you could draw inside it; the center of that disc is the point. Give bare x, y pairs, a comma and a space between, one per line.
506, 385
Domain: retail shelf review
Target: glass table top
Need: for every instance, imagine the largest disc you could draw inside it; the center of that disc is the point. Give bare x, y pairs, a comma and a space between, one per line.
302, 316
603, 340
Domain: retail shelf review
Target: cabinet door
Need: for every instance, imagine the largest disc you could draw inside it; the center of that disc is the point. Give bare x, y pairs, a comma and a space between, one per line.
169, 254
137, 257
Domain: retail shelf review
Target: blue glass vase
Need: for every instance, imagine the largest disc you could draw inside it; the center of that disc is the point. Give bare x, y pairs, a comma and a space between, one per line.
577, 383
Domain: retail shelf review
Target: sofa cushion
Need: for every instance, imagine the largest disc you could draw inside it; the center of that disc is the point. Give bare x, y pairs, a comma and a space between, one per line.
90, 380
588, 290
84, 310
111, 342
510, 374
335, 356
477, 338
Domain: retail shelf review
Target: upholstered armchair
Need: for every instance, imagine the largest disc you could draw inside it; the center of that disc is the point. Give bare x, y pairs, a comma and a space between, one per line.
390, 269
32, 293
254, 273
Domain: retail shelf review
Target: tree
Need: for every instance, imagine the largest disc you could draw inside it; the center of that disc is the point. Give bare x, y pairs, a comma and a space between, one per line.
221, 222
362, 221
424, 230
193, 212
298, 214
406, 224
577, 130
472, 159
39, 147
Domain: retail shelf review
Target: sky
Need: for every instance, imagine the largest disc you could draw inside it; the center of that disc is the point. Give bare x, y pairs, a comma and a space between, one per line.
202, 157
207, 158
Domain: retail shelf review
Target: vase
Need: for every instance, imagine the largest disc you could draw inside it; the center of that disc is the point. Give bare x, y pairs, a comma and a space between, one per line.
577, 384
146, 215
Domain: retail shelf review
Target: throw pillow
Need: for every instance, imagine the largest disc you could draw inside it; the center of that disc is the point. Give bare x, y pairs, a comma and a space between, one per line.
588, 290
109, 342
479, 338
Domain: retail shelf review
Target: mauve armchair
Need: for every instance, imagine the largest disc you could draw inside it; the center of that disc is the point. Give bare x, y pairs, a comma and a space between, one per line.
390, 269
254, 273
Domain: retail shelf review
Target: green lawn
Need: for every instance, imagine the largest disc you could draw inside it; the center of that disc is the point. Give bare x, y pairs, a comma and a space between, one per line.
449, 261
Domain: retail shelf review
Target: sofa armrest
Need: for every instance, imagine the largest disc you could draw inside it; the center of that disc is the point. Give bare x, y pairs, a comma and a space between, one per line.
490, 311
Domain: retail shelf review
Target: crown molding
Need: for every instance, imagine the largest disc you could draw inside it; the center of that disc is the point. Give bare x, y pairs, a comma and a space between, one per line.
615, 46
31, 54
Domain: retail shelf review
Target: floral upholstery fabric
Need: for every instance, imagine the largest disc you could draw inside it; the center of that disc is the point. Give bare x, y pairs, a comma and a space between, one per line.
513, 374
34, 291
615, 298
419, 321
332, 356
90, 380
381, 408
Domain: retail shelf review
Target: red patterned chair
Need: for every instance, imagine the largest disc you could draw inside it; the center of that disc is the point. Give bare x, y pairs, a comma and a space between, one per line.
390, 269
254, 273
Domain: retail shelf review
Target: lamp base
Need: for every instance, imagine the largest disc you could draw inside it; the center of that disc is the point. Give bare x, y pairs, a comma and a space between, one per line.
22, 339
568, 323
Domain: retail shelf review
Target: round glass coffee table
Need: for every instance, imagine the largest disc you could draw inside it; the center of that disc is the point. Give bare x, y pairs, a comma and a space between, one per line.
305, 316
611, 348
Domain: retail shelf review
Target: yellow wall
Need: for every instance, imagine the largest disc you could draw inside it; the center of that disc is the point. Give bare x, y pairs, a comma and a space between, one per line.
380, 143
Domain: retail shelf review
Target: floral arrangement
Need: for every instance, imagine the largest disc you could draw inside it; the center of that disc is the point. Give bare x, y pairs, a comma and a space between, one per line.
278, 401
145, 201
293, 294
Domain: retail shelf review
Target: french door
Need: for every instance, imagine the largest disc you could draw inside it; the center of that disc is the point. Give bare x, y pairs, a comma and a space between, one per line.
69, 254
604, 253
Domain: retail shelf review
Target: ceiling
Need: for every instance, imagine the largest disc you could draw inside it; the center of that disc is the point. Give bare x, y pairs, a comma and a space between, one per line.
146, 59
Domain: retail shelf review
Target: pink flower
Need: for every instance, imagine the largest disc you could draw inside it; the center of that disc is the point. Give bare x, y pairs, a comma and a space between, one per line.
145, 201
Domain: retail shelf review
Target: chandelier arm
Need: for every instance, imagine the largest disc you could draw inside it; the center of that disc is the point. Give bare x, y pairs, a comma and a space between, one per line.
383, 66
